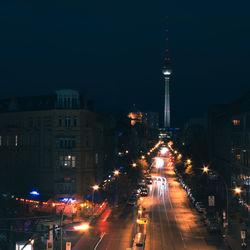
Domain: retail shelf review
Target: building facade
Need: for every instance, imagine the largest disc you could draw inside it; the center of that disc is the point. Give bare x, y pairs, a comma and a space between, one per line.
229, 135
53, 144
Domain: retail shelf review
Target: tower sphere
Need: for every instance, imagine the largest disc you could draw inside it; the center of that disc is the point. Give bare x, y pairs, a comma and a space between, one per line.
166, 71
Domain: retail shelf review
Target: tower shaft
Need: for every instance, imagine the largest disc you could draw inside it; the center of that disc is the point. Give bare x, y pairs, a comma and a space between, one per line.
167, 104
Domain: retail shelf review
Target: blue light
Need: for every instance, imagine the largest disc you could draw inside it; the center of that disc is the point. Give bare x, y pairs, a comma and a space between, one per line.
119, 133
121, 167
35, 193
67, 199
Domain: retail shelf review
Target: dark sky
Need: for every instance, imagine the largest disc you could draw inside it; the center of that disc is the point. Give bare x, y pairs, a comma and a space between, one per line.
113, 51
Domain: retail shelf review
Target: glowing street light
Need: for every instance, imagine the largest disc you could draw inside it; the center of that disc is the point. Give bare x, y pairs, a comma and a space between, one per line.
82, 227
143, 157
205, 169
164, 150
134, 165
116, 172
159, 162
179, 156
237, 190
95, 187
189, 161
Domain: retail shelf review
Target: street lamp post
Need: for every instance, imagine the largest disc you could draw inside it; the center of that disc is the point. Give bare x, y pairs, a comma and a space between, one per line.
61, 220
116, 173
95, 188
227, 213
206, 170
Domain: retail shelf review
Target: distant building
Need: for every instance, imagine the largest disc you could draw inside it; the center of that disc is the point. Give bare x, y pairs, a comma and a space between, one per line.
229, 135
51, 143
152, 119
195, 138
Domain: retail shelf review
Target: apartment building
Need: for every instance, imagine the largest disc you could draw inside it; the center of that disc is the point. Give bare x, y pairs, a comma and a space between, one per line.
53, 144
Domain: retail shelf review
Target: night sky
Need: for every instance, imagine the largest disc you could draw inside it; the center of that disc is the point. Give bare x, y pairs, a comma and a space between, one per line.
113, 51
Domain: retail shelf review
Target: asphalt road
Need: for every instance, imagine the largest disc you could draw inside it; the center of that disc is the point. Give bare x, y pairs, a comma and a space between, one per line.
111, 231
173, 223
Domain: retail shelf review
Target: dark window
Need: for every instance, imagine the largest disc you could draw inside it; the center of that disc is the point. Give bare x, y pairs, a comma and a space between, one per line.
59, 121
67, 121
75, 121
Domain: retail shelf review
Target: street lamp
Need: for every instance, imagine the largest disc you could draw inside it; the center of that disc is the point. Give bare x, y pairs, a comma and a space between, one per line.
205, 169
189, 161
95, 188
116, 172
134, 165
143, 157
237, 190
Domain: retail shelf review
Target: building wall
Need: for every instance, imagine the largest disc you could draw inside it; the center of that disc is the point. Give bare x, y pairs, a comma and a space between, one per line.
57, 151
229, 127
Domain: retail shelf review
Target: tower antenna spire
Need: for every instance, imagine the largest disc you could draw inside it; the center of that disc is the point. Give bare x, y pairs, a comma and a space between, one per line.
167, 73
167, 57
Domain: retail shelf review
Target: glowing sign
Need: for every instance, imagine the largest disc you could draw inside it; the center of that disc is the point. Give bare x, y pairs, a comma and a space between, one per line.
34, 193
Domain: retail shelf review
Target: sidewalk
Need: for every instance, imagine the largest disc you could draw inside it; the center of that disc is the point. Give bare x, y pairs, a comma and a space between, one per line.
233, 240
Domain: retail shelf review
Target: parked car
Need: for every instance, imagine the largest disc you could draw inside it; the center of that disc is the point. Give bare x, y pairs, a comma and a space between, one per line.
144, 192
139, 241
201, 208
213, 226
132, 201
149, 180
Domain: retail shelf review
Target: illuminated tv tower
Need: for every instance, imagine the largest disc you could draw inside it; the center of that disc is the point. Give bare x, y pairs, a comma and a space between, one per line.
167, 73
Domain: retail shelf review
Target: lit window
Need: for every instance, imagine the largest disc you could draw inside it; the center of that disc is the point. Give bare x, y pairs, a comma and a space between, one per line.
236, 122
67, 161
238, 157
0, 140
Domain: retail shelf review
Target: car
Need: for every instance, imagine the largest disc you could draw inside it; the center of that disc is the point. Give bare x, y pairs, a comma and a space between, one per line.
149, 180
139, 241
191, 198
213, 226
201, 208
132, 201
144, 192
197, 203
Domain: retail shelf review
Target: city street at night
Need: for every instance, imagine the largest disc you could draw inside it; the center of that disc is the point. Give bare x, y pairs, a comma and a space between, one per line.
173, 222
124, 125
